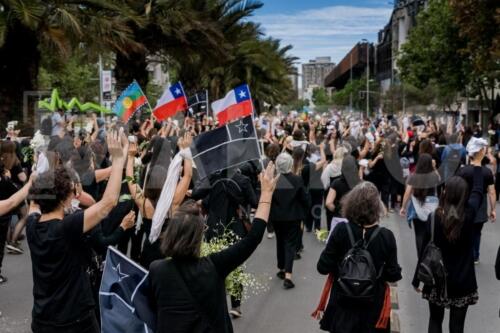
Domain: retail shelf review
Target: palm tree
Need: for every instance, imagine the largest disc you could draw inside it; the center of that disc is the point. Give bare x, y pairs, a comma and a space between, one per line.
58, 26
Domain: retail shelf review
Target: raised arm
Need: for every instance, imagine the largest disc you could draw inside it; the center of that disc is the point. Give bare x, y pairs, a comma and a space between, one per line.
144, 205
183, 185
118, 147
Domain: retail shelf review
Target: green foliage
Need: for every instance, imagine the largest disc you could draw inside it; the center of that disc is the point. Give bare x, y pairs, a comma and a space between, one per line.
356, 89
320, 96
431, 57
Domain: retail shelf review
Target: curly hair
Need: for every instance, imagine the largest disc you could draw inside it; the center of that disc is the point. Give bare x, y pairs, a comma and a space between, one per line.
362, 204
50, 189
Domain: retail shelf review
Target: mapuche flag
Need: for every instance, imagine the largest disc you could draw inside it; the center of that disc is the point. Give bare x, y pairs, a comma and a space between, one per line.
225, 147
130, 100
172, 101
236, 104
124, 296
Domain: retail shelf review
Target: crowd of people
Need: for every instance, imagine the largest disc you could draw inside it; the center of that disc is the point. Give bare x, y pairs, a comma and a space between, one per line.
91, 182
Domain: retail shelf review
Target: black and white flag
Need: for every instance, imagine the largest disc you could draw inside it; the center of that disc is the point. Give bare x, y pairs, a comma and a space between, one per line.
198, 104
225, 147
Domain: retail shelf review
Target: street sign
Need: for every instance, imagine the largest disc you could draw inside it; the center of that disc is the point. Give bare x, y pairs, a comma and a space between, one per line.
106, 82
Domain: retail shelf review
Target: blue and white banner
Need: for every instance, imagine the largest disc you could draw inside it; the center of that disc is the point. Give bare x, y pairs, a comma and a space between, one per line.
123, 296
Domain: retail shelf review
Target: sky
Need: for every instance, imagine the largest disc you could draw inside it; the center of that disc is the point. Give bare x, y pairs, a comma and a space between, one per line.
323, 27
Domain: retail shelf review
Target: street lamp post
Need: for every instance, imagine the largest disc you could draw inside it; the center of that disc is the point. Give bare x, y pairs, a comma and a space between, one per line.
350, 95
367, 77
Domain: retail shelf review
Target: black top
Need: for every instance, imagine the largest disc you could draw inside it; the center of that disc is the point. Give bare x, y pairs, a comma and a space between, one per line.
204, 278
290, 200
458, 256
341, 188
342, 317
467, 173
312, 177
222, 198
61, 288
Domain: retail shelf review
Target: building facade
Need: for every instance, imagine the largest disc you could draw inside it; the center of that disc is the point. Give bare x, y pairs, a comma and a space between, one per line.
315, 71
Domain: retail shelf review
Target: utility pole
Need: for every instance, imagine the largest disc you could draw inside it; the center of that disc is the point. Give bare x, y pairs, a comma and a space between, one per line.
350, 95
101, 98
367, 77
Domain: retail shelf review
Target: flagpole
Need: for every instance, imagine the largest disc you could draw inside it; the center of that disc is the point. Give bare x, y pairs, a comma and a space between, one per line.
147, 100
261, 151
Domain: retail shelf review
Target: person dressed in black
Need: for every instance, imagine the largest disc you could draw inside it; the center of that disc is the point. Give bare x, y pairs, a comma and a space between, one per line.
189, 292
453, 234
362, 207
62, 292
421, 194
289, 207
341, 186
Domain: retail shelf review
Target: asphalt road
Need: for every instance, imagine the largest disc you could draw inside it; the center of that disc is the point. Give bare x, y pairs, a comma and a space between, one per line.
279, 310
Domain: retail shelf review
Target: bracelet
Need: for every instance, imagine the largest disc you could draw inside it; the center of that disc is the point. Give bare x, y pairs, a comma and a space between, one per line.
264, 202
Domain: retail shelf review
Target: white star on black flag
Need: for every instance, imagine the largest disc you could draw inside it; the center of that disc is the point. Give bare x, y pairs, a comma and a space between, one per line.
225, 147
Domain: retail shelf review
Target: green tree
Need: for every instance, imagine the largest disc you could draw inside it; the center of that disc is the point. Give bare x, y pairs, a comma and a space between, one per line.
57, 26
430, 56
320, 96
357, 89
478, 25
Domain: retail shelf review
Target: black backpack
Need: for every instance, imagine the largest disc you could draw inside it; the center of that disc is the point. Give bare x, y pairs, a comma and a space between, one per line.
357, 274
431, 270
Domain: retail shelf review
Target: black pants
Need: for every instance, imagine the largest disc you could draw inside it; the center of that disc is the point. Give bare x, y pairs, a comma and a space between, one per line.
287, 240
457, 319
314, 217
420, 228
4, 228
86, 324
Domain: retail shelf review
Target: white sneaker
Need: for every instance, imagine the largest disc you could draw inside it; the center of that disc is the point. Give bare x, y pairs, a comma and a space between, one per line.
270, 235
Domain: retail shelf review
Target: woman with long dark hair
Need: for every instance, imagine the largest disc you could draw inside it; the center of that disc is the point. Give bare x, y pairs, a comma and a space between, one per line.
421, 196
453, 234
188, 291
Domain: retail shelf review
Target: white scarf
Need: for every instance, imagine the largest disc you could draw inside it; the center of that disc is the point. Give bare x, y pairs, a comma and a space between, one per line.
167, 193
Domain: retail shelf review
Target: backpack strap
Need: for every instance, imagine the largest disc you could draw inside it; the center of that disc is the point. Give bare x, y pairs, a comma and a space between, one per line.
433, 223
372, 237
351, 235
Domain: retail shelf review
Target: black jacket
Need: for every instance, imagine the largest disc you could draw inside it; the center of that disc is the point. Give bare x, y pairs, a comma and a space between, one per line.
204, 280
290, 199
339, 316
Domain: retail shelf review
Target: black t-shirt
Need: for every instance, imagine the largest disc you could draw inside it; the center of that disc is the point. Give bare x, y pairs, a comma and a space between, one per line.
467, 173
61, 287
312, 177
341, 188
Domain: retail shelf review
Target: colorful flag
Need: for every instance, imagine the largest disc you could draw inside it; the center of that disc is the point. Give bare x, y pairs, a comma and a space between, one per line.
130, 100
225, 147
172, 101
236, 104
123, 296
198, 104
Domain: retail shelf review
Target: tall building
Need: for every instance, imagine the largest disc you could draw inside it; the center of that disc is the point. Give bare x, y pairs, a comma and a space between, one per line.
315, 71
392, 37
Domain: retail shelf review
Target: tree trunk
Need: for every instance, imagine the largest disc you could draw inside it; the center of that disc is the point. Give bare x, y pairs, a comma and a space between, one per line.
130, 68
19, 64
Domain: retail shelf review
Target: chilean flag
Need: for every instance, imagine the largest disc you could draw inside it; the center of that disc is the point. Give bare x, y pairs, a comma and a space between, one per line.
172, 101
236, 104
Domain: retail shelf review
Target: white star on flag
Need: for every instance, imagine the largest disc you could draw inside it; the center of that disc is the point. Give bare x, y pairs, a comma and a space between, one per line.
177, 91
242, 94
121, 276
242, 127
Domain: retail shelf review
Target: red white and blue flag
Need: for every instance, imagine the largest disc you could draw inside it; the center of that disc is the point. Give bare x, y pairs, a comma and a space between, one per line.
236, 104
172, 101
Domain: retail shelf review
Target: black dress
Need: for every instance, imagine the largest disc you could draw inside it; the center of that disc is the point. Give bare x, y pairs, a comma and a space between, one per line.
458, 256
197, 303
340, 316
